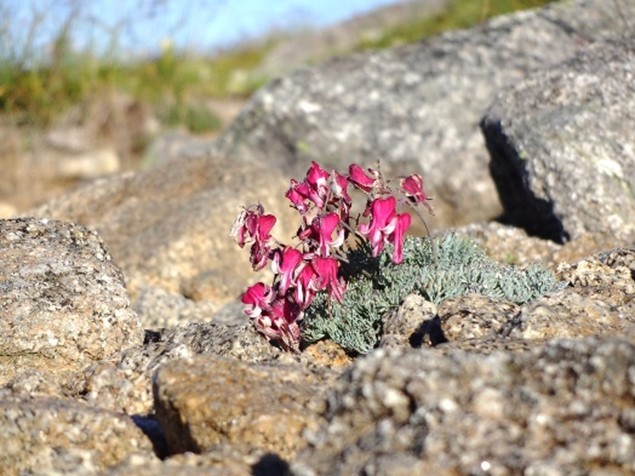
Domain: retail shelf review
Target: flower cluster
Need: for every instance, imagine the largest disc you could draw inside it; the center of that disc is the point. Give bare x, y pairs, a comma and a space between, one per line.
324, 203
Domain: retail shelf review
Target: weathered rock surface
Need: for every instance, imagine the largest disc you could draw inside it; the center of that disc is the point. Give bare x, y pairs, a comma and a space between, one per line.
224, 460
158, 308
208, 401
417, 107
125, 384
168, 226
599, 301
566, 408
563, 146
49, 436
63, 302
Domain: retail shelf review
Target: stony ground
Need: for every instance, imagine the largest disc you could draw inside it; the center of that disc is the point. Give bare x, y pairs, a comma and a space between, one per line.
124, 348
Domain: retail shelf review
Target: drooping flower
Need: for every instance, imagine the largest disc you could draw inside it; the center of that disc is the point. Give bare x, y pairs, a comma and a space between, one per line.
381, 212
252, 225
385, 226
326, 270
280, 324
298, 194
314, 188
304, 289
285, 264
360, 179
396, 238
412, 186
319, 234
339, 186
259, 254
259, 297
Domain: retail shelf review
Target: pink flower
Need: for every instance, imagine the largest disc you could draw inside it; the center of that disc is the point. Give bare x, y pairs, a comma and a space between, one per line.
316, 176
360, 179
259, 254
326, 270
320, 233
314, 188
401, 226
413, 188
279, 323
259, 297
381, 211
297, 194
252, 225
339, 187
385, 226
304, 290
285, 263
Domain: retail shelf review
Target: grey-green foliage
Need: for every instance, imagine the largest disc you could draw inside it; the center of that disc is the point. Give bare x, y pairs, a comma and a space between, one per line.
377, 285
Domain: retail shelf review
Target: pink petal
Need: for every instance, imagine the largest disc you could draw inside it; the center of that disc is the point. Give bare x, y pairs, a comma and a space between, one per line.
258, 296
316, 176
403, 223
265, 224
359, 178
284, 264
339, 187
326, 270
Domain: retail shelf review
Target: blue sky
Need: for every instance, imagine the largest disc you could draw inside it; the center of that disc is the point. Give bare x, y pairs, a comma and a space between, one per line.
199, 25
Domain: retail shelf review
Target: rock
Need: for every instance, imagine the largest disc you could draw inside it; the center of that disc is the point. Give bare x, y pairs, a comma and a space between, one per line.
559, 409
512, 245
49, 436
599, 301
175, 144
124, 384
158, 308
474, 316
416, 107
222, 461
168, 226
92, 164
563, 146
62, 299
208, 401
309, 47
405, 325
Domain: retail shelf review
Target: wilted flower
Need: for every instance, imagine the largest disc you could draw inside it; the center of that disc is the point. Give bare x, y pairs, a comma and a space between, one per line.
412, 186
253, 226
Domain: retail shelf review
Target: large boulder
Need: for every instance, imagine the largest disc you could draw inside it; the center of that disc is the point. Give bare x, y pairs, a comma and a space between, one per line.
63, 302
563, 146
51, 436
209, 401
565, 408
168, 226
416, 108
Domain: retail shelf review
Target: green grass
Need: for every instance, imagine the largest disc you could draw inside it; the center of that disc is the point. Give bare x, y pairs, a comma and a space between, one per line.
173, 83
458, 14
176, 83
